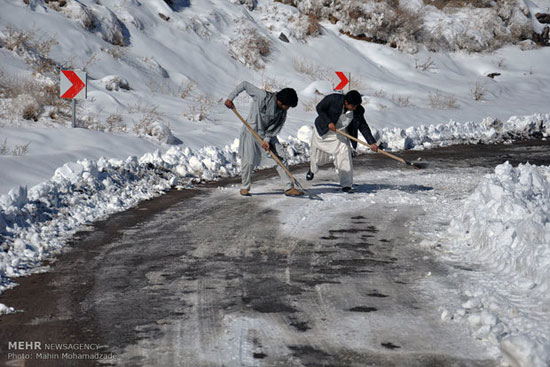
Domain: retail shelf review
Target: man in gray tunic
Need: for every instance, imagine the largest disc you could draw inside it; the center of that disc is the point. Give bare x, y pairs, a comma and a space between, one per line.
267, 116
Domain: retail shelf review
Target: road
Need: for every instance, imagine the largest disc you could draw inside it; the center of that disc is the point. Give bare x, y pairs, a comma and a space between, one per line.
204, 277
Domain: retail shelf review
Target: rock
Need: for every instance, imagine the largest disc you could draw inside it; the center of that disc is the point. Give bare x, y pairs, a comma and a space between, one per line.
527, 45
283, 37
543, 18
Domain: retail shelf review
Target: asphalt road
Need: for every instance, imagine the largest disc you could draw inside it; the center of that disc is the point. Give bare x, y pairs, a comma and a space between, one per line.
204, 277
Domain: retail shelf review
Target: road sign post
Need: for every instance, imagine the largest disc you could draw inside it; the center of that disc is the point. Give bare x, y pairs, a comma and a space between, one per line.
73, 85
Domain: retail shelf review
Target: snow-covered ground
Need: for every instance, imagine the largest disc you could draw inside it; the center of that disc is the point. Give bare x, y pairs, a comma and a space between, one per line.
154, 119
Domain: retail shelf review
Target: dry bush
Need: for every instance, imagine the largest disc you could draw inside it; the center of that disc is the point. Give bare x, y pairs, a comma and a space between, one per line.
145, 125
250, 48
31, 98
478, 91
201, 110
403, 101
117, 52
311, 69
481, 24
185, 90
33, 49
424, 65
380, 93
16, 150
115, 123
271, 85
441, 101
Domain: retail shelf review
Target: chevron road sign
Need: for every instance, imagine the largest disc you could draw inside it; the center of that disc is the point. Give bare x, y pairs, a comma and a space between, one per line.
73, 84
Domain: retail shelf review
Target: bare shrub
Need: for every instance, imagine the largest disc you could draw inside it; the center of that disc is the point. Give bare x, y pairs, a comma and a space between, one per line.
380, 93
403, 101
249, 47
34, 49
423, 65
16, 150
115, 123
184, 91
315, 71
32, 97
271, 85
31, 111
145, 125
478, 91
441, 101
402, 24
117, 52
201, 110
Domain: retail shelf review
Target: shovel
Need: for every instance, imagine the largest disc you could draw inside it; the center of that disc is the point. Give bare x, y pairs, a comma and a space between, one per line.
392, 156
277, 160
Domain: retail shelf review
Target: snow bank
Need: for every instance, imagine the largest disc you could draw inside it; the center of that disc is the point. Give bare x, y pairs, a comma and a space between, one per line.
504, 227
487, 131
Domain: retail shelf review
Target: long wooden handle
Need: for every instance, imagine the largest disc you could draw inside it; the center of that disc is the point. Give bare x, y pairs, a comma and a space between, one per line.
273, 155
379, 150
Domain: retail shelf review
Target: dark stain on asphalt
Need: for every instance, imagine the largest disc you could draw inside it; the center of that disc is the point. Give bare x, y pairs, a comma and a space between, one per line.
390, 345
377, 295
259, 355
302, 326
363, 309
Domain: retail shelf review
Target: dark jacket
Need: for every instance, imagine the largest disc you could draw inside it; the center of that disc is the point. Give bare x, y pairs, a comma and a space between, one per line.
329, 110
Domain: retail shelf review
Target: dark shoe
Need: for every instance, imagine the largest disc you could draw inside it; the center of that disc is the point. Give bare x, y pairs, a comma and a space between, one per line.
309, 175
293, 192
244, 192
348, 190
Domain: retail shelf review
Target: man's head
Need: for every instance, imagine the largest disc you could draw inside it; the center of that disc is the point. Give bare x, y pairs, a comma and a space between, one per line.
352, 100
287, 98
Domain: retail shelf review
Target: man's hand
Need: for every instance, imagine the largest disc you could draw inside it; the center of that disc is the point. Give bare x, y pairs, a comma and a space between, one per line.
265, 145
374, 147
332, 127
229, 104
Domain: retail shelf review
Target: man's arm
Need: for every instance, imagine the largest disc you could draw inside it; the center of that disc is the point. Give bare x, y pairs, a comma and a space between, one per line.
365, 129
249, 88
323, 120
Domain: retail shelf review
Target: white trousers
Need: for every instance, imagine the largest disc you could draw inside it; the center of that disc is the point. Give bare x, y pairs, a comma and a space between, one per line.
338, 146
252, 155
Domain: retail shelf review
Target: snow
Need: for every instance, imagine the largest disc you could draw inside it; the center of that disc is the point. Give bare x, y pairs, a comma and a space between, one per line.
504, 226
154, 120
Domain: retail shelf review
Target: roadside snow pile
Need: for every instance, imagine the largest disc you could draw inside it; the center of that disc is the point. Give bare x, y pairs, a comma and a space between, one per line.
36, 223
5, 309
489, 130
504, 228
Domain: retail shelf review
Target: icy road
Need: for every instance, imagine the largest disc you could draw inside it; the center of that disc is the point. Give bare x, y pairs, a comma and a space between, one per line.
205, 277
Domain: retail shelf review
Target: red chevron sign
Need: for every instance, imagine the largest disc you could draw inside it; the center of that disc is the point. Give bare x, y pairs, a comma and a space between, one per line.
343, 80
73, 84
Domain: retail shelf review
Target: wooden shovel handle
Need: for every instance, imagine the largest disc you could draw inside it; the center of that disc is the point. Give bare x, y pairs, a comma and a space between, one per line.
260, 140
379, 150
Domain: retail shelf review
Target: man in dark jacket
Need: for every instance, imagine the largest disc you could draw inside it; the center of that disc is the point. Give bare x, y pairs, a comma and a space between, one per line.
344, 112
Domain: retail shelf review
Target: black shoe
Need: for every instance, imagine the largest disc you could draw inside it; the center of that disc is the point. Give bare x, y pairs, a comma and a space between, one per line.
348, 189
309, 175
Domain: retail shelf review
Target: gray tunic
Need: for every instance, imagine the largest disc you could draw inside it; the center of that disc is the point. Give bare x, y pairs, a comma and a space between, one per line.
267, 120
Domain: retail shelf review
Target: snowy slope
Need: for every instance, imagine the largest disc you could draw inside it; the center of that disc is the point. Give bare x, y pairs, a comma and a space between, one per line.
189, 56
